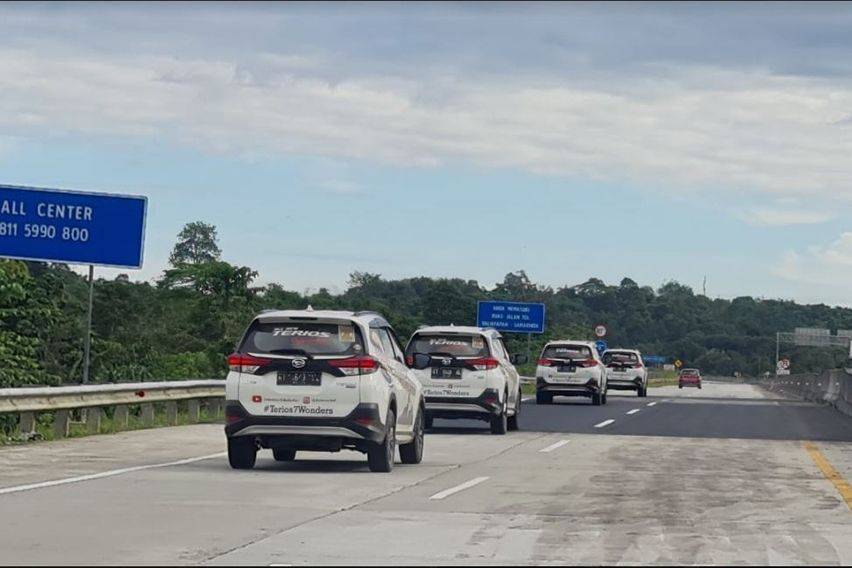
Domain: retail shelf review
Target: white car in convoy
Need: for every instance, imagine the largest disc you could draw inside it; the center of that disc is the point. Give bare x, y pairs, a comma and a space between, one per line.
570, 368
467, 372
322, 381
626, 371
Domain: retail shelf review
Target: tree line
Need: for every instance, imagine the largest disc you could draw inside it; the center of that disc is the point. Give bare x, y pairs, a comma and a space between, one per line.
184, 324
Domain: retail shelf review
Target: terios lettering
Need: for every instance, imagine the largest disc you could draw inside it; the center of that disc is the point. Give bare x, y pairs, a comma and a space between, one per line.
43, 215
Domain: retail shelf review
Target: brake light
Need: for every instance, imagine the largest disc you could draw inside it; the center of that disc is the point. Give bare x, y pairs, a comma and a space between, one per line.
362, 365
409, 360
483, 363
546, 362
588, 363
244, 363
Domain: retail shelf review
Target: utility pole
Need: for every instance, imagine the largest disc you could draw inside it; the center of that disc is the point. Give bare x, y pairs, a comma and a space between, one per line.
704, 285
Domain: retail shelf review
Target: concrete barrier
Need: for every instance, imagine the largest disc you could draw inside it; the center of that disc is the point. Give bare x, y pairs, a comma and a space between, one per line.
832, 387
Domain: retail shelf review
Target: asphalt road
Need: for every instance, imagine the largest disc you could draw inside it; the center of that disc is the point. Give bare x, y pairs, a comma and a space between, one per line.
719, 410
720, 475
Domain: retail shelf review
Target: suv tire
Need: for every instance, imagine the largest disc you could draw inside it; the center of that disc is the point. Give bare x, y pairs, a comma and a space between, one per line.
513, 420
642, 392
543, 398
412, 452
500, 422
596, 398
242, 452
283, 454
380, 457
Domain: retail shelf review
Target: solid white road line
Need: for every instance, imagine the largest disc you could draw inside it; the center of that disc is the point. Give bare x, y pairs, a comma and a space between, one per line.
111, 473
552, 447
604, 423
634, 411
651, 403
453, 490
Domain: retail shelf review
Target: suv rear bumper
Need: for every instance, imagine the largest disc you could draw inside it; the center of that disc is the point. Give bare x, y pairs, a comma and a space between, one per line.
362, 423
624, 384
590, 387
482, 406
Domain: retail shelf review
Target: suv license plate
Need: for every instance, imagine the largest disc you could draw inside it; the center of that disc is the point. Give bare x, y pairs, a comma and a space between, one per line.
446, 373
300, 378
566, 368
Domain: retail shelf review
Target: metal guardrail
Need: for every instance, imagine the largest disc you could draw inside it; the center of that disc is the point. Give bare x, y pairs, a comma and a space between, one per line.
28, 402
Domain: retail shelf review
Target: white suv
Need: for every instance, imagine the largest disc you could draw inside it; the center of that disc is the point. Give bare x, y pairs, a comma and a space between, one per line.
466, 372
322, 381
626, 371
570, 368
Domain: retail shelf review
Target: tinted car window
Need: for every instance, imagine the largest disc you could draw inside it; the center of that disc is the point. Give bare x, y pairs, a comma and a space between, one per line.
567, 352
299, 338
451, 345
619, 357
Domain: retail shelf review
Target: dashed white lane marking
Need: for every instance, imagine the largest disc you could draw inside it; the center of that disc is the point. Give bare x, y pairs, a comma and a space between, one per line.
453, 490
110, 473
527, 399
652, 403
552, 447
604, 423
634, 411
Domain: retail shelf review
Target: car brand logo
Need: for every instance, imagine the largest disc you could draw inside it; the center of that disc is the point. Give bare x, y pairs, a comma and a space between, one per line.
298, 363
306, 400
446, 361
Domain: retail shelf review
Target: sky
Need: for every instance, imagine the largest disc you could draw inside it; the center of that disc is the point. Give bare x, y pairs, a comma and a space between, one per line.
652, 141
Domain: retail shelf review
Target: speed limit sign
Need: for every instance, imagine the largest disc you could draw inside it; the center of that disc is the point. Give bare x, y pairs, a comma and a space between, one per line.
600, 330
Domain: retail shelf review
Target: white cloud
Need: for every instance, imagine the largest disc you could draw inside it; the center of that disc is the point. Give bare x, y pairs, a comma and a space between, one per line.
784, 215
829, 265
698, 130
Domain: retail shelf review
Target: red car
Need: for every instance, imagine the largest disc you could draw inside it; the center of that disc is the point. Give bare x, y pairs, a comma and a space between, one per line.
689, 378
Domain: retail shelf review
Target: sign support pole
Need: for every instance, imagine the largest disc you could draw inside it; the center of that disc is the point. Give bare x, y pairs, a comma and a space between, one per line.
88, 343
529, 347
777, 351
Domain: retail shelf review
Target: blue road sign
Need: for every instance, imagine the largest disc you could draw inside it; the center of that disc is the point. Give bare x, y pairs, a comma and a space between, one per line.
72, 226
516, 317
600, 345
655, 359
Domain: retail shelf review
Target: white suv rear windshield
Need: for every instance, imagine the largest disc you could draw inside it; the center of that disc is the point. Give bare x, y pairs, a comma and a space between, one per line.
567, 352
620, 357
450, 345
303, 338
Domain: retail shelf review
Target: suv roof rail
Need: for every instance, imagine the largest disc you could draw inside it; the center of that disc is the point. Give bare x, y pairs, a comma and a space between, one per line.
366, 313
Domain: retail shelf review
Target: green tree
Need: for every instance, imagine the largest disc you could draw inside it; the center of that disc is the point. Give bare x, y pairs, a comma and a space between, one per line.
197, 243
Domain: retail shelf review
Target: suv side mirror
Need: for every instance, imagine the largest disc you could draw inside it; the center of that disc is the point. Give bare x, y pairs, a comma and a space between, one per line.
519, 359
421, 361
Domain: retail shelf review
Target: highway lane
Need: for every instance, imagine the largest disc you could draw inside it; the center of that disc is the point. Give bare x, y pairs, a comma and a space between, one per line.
579, 495
719, 410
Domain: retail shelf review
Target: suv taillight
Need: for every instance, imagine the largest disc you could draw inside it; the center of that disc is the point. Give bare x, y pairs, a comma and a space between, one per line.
483, 363
244, 363
587, 363
361, 365
546, 362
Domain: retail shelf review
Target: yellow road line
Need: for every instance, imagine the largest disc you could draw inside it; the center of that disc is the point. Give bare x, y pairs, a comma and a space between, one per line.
830, 473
